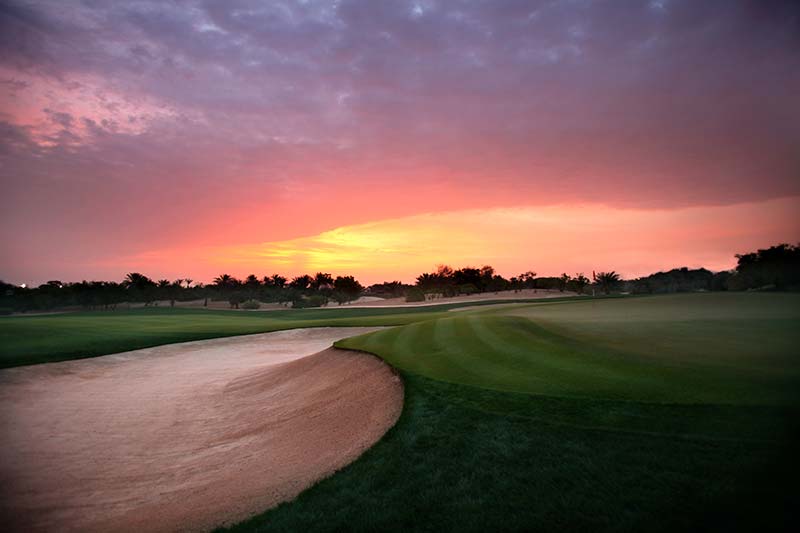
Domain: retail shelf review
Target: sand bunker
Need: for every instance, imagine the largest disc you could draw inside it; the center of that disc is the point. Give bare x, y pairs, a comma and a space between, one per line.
186, 436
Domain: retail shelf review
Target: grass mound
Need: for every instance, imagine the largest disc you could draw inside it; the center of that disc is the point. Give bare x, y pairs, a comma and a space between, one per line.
730, 349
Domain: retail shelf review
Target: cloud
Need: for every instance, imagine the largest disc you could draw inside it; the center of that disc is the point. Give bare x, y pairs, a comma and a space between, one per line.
248, 120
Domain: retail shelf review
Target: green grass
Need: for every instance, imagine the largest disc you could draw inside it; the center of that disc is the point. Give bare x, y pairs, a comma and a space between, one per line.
690, 423
48, 338
468, 459
634, 414
707, 348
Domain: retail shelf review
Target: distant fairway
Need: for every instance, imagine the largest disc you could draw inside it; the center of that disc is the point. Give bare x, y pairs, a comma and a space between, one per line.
59, 337
703, 348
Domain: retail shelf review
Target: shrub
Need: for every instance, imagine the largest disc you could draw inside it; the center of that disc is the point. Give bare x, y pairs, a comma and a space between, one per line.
251, 304
467, 288
315, 300
415, 295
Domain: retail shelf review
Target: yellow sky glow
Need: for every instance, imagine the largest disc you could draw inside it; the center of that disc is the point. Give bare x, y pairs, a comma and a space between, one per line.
549, 240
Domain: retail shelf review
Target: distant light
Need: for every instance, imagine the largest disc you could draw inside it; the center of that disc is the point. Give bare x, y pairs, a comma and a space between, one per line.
24, 286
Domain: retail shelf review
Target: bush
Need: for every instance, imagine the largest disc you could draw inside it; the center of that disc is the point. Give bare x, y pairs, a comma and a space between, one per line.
415, 295
316, 300
251, 304
467, 288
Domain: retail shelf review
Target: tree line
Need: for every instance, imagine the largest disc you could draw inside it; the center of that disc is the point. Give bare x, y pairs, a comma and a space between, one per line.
774, 268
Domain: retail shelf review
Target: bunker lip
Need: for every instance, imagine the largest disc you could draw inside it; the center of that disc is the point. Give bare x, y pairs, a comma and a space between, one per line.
186, 436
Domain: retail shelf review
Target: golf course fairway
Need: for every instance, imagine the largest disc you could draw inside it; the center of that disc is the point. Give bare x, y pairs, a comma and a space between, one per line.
653, 413
638, 414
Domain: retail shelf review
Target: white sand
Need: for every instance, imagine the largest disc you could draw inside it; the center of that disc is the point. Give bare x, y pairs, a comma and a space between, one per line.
186, 436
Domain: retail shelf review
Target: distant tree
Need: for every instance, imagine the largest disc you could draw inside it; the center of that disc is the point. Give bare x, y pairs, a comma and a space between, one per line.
388, 289
415, 294
427, 281
526, 280
138, 286
174, 291
252, 281
444, 271
301, 282
606, 280
322, 281
225, 281
676, 280
563, 281
188, 282
278, 281
163, 283
498, 283
135, 280
235, 299
315, 300
346, 288
777, 267
579, 282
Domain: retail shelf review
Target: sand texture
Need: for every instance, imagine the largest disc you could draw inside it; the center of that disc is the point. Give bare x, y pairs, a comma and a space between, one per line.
186, 436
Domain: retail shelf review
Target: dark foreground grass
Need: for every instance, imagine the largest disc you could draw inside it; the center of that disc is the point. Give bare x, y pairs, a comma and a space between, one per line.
691, 424
468, 459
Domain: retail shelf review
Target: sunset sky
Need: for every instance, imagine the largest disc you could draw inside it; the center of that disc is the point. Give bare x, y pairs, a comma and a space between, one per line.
381, 138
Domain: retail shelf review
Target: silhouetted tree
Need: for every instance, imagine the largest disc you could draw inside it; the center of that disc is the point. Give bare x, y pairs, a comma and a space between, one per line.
607, 280
301, 282
579, 282
226, 281
322, 281
775, 267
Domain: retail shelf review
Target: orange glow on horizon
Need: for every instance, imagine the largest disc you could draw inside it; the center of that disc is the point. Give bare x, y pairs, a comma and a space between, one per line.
549, 240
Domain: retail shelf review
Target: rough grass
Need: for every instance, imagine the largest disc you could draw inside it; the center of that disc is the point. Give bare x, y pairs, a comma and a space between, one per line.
469, 459
638, 436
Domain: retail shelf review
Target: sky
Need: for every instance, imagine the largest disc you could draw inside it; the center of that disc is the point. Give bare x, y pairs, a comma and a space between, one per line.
380, 139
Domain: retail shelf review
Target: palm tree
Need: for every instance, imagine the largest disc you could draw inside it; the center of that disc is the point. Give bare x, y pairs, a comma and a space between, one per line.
223, 280
134, 280
606, 280
188, 282
322, 280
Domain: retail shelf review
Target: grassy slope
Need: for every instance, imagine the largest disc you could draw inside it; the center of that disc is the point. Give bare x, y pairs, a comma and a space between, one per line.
712, 455
469, 459
46, 338
720, 348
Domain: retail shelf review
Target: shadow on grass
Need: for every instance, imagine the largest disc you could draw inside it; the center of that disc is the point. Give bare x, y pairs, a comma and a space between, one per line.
470, 459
